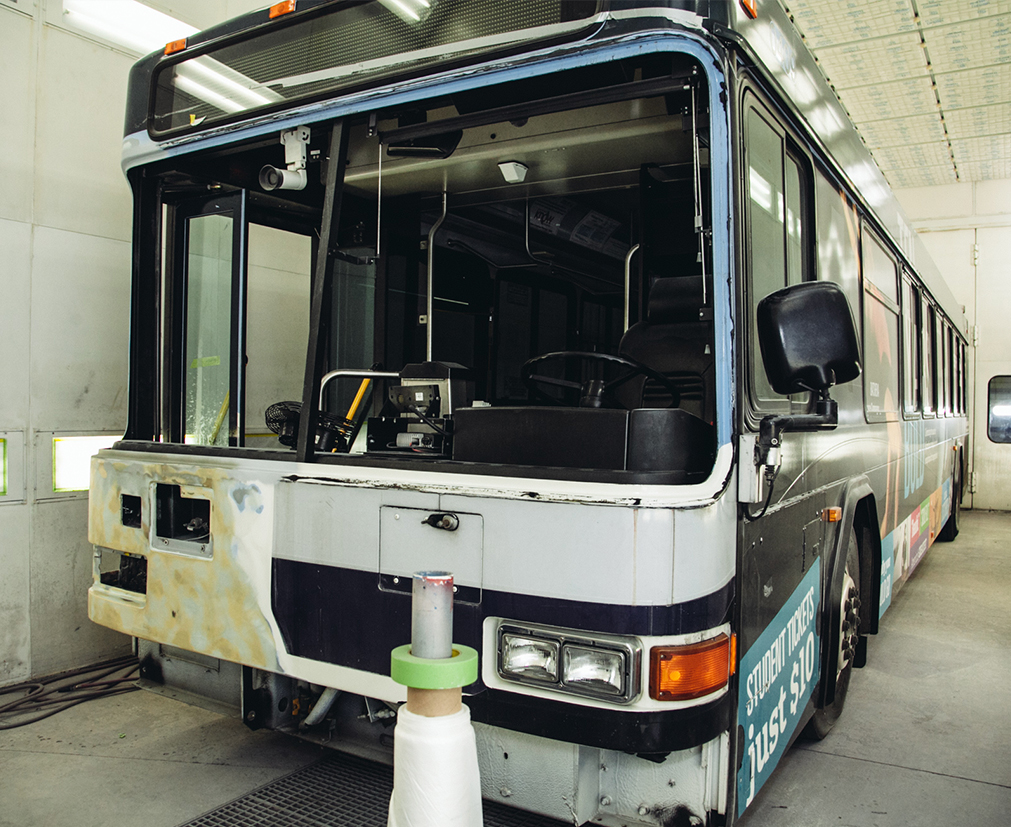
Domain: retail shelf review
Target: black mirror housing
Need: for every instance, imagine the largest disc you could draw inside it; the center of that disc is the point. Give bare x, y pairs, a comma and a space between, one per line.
808, 338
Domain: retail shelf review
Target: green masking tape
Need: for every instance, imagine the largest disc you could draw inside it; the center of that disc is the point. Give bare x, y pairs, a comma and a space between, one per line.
429, 673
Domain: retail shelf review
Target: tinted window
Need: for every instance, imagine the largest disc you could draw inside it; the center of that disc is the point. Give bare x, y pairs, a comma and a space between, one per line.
998, 426
777, 235
881, 331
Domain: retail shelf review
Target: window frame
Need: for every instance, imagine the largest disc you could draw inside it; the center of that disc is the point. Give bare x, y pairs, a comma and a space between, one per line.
871, 291
912, 347
791, 151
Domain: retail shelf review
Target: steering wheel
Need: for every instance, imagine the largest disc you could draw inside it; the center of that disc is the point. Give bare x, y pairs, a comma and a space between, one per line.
592, 392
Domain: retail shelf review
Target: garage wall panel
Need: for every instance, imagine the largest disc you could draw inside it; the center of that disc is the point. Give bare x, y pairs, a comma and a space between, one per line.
63, 636
15, 630
17, 126
79, 185
15, 294
80, 331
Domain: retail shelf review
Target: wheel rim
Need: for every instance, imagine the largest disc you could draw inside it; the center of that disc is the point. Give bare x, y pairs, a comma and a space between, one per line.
849, 622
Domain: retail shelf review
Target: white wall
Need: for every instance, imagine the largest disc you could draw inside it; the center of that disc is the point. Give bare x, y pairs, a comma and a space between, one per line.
967, 230
65, 216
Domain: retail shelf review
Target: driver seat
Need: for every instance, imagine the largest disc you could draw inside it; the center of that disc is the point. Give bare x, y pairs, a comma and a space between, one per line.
675, 339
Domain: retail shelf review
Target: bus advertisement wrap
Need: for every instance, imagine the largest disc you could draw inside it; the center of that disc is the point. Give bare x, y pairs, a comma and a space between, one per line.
778, 675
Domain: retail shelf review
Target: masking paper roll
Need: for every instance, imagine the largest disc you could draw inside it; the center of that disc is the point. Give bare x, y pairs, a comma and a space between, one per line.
436, 782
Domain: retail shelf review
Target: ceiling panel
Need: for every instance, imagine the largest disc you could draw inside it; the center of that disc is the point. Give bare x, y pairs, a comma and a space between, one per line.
913, 129
839, 21
918, 155
980, 120
971, 44
884, 101
877, 61
922, 177
927, 82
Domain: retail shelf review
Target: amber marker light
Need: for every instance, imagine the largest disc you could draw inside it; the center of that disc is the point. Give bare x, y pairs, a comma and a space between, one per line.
282, 8
681, 673
832, 514
175, 46
750, 8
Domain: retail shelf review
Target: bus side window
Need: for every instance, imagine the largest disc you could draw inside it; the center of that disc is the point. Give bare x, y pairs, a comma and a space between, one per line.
928, 357
881, 331
911, 348
778, 232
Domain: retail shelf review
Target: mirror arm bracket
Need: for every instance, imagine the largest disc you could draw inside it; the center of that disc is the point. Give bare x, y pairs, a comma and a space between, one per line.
772, 427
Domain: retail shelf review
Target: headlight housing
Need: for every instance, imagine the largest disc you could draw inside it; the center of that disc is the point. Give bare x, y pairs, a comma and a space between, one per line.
569, 661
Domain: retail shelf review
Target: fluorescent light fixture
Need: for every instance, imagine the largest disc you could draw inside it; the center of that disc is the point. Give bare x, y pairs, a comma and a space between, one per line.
218, 82
72, 460
3, 467
410, 11
128, 24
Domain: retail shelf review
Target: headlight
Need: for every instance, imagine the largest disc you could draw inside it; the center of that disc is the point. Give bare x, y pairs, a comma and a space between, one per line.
603, 667
530, 658
594, 670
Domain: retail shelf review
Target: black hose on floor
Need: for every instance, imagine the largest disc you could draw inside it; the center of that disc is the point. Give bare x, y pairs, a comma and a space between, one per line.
46, 697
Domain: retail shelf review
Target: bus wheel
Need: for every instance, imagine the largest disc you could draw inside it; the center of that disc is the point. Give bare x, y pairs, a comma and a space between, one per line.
846, 637
949, 531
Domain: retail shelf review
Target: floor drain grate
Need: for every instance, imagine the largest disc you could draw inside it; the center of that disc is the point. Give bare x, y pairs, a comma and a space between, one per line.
339, 791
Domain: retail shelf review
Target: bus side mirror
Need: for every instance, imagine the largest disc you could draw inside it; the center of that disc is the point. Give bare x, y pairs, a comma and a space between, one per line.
809, 343
808, 338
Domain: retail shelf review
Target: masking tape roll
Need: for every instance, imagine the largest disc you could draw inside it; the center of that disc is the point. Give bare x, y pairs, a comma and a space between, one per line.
434, 673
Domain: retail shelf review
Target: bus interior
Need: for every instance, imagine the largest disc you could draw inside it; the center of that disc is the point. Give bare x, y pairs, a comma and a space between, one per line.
526, 269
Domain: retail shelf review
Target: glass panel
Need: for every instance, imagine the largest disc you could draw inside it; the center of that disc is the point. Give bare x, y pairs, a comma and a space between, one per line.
927, 355
278, 295
881, 331
794, 224
998, 426
352, 327
72, 460
766, 230
208, 329
879, 268
911, 347
286, 62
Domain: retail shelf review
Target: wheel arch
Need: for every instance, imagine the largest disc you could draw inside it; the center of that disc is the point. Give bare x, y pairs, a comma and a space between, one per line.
860, 515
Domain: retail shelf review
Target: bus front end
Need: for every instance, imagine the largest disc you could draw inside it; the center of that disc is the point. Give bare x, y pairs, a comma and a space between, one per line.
456, 297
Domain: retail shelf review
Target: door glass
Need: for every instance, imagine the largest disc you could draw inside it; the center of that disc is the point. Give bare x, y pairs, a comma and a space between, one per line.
352, 328
208, 329
277, 325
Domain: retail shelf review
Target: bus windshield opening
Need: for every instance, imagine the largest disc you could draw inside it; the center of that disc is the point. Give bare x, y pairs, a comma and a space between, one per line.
521, 284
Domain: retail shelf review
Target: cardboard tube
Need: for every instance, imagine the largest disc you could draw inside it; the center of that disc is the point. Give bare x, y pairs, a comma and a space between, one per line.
433, 703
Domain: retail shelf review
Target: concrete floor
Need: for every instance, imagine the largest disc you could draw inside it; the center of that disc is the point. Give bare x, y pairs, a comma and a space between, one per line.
925, 739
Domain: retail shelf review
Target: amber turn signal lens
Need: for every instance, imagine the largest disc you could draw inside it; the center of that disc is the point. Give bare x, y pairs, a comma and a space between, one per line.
282, 8
680, 673
175, 46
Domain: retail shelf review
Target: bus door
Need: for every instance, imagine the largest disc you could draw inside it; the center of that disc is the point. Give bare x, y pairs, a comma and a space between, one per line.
205, 345
241, 276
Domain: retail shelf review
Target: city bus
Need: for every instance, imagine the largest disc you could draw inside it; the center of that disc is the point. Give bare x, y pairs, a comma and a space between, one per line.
602, 307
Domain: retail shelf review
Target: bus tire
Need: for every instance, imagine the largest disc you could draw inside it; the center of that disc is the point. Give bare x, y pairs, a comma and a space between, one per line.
949, 531
845, 639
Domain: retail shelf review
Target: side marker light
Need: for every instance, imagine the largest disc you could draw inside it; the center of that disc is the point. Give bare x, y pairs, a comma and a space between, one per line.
681, 673
833, 514
175, 46
285, 7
